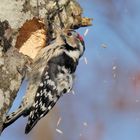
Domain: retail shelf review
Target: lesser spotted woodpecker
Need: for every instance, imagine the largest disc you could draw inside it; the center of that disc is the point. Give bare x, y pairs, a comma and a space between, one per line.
51, 76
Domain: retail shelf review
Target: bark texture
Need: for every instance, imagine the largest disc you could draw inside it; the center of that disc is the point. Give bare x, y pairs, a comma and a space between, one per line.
54, 13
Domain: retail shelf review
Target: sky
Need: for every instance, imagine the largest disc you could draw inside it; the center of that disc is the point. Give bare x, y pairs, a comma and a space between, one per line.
106, 103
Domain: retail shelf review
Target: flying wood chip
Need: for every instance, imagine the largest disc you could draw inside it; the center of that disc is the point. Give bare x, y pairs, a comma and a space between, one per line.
32, 37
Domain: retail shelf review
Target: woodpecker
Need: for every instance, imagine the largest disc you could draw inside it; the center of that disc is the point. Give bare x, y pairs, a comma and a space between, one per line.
51, 76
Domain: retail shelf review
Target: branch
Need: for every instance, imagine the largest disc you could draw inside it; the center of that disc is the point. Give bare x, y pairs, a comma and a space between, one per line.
10, 78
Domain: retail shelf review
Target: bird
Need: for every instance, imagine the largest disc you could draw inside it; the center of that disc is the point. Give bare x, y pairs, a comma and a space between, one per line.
51, 76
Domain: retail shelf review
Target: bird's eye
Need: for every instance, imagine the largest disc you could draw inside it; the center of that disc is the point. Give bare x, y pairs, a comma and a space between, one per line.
69, 34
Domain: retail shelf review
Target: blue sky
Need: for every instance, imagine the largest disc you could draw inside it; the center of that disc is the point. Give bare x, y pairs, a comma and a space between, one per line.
109, 105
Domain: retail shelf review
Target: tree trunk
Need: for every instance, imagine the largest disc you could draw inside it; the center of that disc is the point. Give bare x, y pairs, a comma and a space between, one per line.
61, 13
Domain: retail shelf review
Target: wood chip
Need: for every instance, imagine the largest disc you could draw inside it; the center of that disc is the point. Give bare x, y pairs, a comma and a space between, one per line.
73, 92
114, 67
137, 101
114, 75
86, 32
85, 124
59, 131
103, 45
59, 120
85, 59
80, 135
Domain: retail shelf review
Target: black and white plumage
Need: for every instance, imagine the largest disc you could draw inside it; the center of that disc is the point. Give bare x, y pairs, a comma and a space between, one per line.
51, 76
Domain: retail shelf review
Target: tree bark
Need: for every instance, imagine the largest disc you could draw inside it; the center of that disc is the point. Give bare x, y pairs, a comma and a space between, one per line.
61, 13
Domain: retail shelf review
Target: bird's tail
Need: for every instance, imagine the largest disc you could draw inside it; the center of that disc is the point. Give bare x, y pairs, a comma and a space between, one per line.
12, 117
